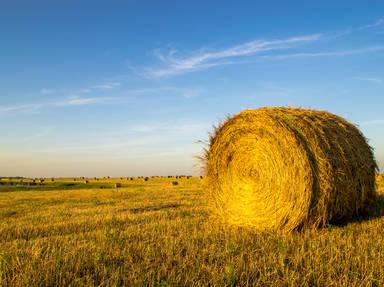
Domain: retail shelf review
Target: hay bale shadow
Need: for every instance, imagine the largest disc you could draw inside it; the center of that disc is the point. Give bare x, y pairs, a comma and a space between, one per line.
376, 211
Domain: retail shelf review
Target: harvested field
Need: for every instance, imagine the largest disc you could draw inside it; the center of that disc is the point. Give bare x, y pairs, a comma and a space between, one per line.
152, 233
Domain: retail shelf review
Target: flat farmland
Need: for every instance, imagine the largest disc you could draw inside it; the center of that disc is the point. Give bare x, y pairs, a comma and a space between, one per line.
159, 233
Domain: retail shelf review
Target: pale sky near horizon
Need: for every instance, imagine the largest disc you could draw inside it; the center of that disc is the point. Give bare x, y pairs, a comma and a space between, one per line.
120, 88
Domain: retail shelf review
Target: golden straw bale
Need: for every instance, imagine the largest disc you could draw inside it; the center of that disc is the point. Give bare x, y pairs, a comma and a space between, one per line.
288, 168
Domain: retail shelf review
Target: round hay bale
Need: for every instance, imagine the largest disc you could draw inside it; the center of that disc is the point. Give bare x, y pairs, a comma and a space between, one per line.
288, 168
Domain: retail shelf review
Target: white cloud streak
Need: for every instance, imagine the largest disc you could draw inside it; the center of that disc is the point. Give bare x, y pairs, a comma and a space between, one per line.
106, 86
81, 100
206, 59
46, 91
172, 70
184, 92
376, 24
372, 122
173, 64
341, 53
138, 137
371, 80
77, 101
71, 101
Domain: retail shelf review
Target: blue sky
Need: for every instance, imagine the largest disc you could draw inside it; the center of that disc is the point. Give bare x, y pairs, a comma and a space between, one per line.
94, 88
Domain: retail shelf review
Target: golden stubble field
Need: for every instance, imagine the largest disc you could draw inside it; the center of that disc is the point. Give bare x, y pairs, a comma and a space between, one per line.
153, 233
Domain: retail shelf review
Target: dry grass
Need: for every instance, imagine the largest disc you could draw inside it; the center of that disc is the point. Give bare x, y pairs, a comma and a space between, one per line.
285, 168
155, 234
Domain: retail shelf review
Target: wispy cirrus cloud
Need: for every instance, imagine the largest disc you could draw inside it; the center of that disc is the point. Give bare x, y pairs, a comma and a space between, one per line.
20, 108
67, 97
107, 86
68, 102
172, 70
378, 23
205, 59
136, 137
46, 91
370, 79
103, 86
372, 122
183, 92
85, 99
374, 25
174, 64
78, 101
340, 53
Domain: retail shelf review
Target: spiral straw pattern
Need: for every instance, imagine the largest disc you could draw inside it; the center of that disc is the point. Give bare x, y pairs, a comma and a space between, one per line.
288, 168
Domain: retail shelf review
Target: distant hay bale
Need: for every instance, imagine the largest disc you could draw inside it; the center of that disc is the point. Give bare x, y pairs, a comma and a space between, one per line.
175, 183
86, 181
117, 185
288, 168
146, 178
